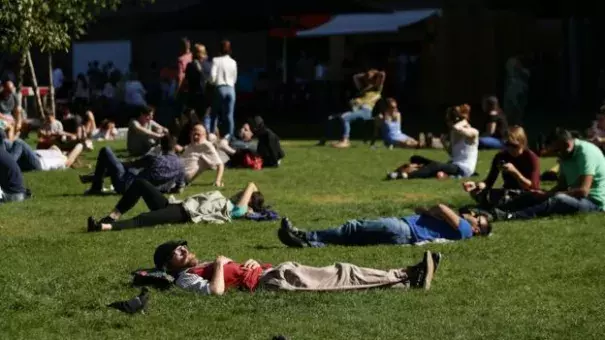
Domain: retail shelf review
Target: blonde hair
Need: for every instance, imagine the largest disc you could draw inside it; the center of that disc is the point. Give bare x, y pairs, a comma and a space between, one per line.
199, 50
516, 135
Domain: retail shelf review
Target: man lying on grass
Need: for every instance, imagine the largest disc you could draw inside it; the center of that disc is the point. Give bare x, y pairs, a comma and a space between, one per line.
165, 170
217, 277
209, 207
438, 222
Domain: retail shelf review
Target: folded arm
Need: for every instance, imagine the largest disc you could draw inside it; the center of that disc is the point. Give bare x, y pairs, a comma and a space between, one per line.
441, 212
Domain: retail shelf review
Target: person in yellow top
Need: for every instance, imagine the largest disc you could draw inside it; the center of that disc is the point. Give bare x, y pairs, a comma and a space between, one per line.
369, 85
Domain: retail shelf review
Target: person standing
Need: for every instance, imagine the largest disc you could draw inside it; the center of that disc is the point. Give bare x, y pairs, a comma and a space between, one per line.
197, 75
224, 76
183, 60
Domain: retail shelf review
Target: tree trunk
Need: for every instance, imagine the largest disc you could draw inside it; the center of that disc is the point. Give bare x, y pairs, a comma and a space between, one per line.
51, 85
21, 73
32, 71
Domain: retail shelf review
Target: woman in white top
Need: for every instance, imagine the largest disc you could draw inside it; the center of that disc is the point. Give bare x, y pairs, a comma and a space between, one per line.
464, 150
223, 76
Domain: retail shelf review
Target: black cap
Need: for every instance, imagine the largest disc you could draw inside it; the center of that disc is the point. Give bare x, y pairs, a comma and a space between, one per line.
163, 253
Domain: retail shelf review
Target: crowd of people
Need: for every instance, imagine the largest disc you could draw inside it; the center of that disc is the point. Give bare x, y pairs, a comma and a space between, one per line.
164, 160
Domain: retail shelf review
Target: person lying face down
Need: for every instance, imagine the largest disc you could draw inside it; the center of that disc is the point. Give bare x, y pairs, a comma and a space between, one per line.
218, 276
428, 224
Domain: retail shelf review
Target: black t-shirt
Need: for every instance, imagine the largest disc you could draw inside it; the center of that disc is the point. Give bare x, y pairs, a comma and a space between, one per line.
501, 125
269, 147
196, 74
11, 178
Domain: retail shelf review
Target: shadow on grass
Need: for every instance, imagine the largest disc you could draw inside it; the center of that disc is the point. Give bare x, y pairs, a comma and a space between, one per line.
264, 247
105, 194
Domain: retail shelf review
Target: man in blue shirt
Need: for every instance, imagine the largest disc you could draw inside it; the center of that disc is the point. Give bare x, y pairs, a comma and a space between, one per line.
428, 224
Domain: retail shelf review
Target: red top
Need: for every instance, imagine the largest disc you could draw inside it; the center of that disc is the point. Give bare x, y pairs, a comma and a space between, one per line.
183, 61
236, 276
527, 163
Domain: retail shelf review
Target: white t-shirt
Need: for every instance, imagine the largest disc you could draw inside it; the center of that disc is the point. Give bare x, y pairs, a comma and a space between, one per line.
98, 134
224, 71
134, 93
199, 157
464, 153
51, 159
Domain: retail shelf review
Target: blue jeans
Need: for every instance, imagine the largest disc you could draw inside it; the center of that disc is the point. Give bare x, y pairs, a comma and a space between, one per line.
223, 110
108, 164
490, 143
363, 112
389, 230
23, 154
560, 204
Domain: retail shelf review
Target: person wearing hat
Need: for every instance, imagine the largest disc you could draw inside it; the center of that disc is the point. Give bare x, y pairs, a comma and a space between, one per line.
222, 274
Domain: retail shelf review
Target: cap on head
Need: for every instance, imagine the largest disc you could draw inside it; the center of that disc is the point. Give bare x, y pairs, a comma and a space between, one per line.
163, 253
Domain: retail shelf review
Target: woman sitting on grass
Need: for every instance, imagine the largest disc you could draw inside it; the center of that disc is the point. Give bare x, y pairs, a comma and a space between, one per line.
107, 131
463, 151
497, 126
390, 124
520, 169
211, 207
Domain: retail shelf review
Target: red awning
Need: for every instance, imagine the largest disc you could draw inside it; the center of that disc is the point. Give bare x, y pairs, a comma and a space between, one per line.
294, 24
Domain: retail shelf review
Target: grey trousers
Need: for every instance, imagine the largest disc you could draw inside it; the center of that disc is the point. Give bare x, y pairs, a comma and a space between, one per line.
339, 276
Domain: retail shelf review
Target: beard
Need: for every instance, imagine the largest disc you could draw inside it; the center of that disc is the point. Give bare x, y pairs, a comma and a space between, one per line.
191, 261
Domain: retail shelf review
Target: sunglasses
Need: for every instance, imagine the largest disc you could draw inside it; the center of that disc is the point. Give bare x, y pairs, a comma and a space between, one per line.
511, 145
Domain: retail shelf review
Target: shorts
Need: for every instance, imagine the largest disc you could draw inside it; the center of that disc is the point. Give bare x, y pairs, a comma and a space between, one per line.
51, 159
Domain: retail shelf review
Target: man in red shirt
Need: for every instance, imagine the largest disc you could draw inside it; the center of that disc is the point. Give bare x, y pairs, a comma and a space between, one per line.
215, 278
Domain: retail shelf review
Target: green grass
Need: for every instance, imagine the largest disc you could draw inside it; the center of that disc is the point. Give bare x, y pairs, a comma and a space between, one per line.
530, 280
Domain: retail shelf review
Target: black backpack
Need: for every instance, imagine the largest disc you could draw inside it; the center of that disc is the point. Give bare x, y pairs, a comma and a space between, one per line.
152, 277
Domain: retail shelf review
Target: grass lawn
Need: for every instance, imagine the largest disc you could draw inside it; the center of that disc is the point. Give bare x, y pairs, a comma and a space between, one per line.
529, 280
